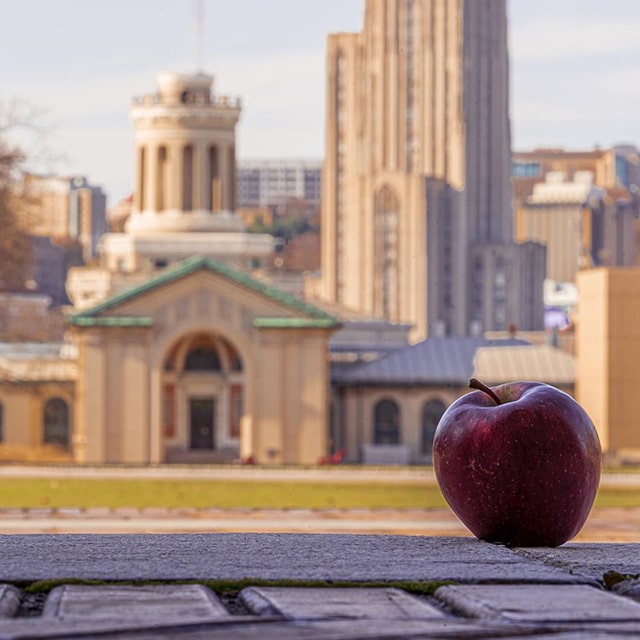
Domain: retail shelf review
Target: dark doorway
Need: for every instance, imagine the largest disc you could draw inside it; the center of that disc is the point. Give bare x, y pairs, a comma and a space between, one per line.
202, 412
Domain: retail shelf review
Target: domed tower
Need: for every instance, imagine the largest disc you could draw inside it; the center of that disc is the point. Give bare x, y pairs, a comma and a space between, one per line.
184, 196
185, 157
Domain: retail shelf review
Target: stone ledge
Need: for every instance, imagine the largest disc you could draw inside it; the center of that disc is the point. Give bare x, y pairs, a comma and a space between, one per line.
234, 556
492, 591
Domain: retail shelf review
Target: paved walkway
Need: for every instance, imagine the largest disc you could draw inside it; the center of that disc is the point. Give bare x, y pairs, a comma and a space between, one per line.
603, 525
315, 586
333, 473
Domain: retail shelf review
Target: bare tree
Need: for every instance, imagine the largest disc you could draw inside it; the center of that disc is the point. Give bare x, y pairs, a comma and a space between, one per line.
20, 120
15, 246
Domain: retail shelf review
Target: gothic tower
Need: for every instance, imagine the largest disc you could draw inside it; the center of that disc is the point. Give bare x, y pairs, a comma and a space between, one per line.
417, 216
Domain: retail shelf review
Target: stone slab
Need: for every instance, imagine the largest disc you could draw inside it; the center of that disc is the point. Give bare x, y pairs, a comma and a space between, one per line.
326, 603
9, 601
589, 560
244, 629
269, 557
539, 603
45, 627
156, 602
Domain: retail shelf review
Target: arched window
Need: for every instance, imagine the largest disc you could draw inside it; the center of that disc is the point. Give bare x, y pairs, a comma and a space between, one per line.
432, 411
387, 217
56, 422
386, 422
203, 358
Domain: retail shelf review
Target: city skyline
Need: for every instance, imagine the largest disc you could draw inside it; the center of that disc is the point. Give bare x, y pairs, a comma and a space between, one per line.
573, 81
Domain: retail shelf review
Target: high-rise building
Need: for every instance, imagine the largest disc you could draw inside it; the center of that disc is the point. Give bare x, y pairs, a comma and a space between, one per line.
417, 219
63, 208
262, 183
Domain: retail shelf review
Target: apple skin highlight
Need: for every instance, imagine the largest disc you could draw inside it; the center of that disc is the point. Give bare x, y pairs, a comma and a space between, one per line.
521, 473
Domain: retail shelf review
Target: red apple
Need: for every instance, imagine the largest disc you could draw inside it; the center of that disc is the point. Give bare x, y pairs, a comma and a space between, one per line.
519, 463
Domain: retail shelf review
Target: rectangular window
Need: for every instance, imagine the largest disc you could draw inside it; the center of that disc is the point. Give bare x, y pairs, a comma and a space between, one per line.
520, 169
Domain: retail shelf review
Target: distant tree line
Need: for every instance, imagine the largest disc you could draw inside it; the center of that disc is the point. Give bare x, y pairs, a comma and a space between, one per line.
284, 227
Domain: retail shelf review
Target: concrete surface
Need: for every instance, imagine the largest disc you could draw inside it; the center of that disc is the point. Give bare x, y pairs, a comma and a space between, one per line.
492, 591
321, 603
76, 602
9, 601
589, 560
268, 557
539, 603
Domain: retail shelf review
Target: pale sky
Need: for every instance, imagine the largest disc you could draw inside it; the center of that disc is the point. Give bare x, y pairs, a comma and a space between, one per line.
575, 68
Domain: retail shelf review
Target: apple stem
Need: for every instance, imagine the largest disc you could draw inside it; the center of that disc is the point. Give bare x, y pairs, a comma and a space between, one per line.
474, 383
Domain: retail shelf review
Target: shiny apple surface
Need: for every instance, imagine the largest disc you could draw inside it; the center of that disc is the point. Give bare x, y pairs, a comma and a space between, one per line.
524, 472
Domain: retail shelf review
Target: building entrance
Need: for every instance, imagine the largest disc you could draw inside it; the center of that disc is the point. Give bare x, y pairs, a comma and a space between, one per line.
202, 420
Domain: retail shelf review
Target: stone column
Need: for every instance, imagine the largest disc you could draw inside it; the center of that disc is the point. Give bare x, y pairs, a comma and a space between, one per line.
152, 176
201, 175
175, 176
134, 378
231, 182
223, 177
268, 422
140, 177
90, 411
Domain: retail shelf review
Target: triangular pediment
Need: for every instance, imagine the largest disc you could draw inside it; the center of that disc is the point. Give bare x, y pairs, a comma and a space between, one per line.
198, 281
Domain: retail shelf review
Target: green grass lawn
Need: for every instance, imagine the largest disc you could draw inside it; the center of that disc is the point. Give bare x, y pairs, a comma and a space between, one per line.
78, 492
251, 494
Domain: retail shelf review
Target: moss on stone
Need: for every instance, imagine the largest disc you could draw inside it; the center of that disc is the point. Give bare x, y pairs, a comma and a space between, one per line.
233, 586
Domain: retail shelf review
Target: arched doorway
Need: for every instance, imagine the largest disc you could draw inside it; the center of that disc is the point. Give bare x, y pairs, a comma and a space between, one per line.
202, 399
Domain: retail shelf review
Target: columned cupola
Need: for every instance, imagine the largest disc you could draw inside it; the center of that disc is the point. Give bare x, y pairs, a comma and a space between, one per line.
184, 157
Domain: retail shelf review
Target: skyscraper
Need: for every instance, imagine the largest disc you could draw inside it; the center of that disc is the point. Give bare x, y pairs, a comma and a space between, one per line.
417, 220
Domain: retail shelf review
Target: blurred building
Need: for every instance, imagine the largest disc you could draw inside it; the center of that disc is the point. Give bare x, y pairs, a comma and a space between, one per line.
119, 214
48, 270
582, 225
29, 317
263, 183
301, 253
583, 205
61, 208
608, 352
417, 216
65, 218
180, 353
386, 410
185, 192
618, 166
